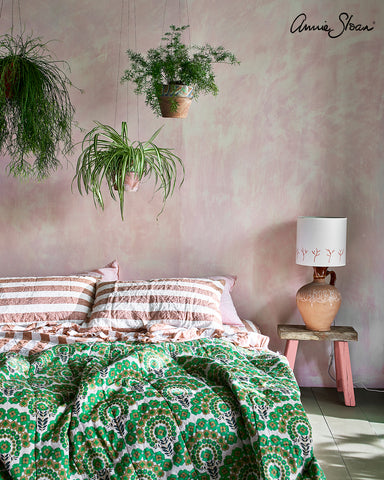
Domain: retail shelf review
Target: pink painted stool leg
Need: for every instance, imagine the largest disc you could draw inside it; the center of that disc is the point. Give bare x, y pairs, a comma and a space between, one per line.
290, 351
338, 369
345, 372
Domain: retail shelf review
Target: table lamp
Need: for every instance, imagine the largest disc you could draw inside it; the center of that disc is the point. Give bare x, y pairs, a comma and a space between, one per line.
320, 243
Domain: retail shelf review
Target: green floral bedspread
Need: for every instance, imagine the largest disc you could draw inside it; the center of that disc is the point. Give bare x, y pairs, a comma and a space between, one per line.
203, 409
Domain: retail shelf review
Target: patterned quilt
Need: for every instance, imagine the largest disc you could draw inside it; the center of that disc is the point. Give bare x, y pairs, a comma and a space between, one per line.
202, 409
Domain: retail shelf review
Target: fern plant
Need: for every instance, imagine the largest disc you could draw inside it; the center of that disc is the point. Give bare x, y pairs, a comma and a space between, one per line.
175, 63
110, 155
36, 113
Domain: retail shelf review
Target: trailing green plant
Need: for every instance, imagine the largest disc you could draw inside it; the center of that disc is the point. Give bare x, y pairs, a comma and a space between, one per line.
36, 113
110, 155
175, 63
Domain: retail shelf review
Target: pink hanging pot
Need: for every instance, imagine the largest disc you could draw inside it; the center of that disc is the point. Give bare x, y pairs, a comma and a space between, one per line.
131, 182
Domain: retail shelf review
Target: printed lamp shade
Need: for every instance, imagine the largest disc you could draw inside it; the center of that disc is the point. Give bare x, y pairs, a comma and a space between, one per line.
321, 241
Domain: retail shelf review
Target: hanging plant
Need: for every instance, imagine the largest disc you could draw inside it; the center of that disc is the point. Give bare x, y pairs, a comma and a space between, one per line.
174, 73
36, 113
109, 154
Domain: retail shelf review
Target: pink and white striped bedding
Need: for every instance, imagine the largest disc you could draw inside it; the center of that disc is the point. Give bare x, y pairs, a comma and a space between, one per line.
55, 299
180, 302
37, 313
36, 338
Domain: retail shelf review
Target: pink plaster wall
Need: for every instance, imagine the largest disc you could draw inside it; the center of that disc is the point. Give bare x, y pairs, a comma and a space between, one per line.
297, 129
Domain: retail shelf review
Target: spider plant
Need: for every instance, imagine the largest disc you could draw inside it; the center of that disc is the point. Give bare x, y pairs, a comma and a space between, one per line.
109, 154
36, 113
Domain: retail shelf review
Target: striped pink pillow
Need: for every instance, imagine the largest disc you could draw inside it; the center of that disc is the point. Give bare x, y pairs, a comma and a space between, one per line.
46, 299
181, 302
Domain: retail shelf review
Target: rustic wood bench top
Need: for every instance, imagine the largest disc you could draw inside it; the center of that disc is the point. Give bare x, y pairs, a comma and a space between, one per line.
299, 332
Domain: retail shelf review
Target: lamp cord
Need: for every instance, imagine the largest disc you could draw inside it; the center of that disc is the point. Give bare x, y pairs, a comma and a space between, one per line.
333, 376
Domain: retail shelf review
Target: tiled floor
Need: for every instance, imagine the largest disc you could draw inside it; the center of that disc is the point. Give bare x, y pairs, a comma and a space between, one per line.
348, 441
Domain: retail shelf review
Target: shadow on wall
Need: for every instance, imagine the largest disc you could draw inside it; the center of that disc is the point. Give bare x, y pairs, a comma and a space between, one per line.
275, 278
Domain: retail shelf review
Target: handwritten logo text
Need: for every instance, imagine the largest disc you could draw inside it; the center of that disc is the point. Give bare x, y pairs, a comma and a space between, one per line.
300, 25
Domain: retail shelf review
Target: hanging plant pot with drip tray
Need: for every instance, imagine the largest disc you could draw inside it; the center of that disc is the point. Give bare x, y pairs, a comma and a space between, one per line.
174, 73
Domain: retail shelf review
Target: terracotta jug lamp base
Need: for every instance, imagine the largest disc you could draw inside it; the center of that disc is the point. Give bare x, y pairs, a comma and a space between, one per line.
318, 302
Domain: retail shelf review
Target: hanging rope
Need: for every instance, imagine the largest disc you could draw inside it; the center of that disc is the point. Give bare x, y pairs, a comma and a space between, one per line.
127, 86
188, 21
135, 47
165, 9
180, 20
118, 60
20, 25
126, 4
12, 19
12, 15
180, 12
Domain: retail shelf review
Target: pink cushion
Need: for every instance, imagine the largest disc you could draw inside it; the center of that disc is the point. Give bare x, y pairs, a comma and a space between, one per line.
181, 302
46, 299
109, 273
227, 308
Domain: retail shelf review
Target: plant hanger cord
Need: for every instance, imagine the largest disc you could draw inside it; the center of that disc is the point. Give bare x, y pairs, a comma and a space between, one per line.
119, 59
12, 14
135, 45
128, 9
179, 18
19, 13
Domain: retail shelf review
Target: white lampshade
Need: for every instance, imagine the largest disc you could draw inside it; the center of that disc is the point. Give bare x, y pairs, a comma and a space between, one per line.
321, 241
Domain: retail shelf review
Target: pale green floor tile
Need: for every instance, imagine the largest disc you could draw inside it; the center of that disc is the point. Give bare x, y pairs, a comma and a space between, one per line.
379, 429
372, 406
348, 441
324, 446
335, 472
365, 470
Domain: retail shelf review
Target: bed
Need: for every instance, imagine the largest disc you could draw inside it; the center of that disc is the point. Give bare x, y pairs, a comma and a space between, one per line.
102, 378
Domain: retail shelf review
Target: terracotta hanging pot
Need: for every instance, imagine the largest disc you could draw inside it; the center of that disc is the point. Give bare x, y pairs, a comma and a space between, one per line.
179, 95
131, 182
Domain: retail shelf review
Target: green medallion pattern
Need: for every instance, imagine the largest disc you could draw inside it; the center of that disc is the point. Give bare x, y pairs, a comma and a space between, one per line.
203, 409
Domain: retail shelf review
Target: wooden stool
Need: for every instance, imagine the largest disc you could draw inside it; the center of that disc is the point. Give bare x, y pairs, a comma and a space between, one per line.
340, 336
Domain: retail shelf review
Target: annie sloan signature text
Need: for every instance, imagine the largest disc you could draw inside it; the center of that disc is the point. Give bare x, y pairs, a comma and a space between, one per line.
344, 24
